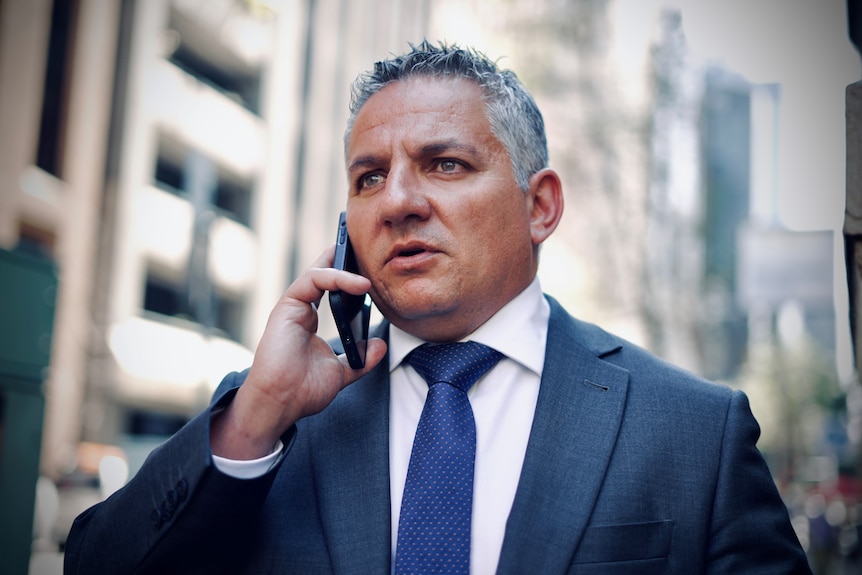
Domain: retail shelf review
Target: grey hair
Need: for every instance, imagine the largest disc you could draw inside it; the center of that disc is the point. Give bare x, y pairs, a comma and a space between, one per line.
514, 117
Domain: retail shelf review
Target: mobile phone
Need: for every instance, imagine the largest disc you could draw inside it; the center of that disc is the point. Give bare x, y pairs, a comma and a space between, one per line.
352, 313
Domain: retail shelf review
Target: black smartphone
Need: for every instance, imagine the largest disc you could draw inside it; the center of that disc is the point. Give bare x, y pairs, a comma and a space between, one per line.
352, 313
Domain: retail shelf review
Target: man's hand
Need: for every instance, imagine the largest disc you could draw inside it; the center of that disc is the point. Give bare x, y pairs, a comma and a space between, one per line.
294, 372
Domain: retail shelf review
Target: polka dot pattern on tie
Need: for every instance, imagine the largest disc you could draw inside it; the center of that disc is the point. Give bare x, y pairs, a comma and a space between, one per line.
434, 526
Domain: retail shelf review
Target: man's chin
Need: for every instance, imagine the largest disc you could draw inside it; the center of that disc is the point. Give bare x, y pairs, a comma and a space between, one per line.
417, 312
416, 299
415, 307
434, 320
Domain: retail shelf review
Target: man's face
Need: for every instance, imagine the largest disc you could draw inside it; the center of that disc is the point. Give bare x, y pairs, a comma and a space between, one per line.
437, 221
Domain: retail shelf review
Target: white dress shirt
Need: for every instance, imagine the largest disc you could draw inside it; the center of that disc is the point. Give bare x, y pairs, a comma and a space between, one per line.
503, 402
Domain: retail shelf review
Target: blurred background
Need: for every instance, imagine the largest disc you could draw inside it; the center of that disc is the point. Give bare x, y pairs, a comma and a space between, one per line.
167, 167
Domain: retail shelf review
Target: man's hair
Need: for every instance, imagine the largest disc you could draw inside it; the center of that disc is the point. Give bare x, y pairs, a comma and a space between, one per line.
512, 113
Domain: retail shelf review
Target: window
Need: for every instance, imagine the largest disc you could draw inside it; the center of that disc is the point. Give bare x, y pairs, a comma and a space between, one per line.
164, 298
223, 312
234, 201
55, 90
168, 175
242, 89
228, 316
231, 197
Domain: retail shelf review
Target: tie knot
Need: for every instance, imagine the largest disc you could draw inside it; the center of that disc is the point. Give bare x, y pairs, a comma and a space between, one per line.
458, 364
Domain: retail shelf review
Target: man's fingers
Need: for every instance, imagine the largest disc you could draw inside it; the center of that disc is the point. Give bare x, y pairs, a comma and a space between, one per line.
321, 277
375, 352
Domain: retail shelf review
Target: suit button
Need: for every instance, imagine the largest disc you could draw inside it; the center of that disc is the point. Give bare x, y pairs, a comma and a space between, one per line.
166, 510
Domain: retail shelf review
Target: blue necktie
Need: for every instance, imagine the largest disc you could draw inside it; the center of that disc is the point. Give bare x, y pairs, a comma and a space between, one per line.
434, 527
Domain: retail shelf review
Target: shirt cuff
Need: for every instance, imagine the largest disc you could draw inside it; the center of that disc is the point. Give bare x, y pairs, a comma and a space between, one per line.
248, 469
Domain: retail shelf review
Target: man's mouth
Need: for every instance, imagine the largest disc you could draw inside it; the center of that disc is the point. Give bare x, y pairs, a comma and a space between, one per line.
410, 254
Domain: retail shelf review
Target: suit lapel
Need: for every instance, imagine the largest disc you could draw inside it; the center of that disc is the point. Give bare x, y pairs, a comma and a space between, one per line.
578, 415
351, 464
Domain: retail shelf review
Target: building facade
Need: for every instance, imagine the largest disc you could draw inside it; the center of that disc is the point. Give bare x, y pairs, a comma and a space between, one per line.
178, 162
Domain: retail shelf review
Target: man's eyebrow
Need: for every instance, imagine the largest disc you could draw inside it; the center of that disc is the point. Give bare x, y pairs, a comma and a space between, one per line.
437, 148
364, 162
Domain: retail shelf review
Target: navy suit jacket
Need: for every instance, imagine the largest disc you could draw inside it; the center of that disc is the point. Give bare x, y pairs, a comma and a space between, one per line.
633, 466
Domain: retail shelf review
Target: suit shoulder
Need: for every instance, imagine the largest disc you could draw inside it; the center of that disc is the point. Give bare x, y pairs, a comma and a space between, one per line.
647, 371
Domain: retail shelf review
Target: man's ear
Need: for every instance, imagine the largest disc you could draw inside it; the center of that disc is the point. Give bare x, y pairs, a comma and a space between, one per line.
545, 203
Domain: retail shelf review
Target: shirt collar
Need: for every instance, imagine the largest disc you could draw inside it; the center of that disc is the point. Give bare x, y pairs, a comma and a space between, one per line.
519, 331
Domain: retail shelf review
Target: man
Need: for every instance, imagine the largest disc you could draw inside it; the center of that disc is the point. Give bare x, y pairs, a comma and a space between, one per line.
591, 456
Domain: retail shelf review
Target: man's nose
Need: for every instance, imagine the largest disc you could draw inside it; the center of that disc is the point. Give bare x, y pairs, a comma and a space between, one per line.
404, 197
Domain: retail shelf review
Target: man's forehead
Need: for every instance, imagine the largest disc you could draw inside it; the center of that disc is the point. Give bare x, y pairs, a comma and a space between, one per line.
438, 106
425, 91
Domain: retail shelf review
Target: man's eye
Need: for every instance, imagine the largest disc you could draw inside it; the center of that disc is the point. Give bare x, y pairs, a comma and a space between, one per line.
370, 180
448, 166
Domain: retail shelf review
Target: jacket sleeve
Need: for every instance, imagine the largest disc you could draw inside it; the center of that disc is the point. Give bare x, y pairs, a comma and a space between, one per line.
750, 527
179, 514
